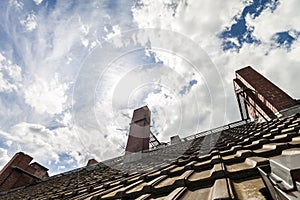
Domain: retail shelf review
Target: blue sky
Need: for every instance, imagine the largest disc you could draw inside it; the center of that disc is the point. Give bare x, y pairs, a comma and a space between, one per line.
71, 73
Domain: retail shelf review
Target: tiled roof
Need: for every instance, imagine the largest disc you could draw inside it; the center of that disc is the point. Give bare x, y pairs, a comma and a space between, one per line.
220, 165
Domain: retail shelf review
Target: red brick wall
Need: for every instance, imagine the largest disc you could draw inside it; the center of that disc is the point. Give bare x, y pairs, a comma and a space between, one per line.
10, 177
139, 133
38, 170
92, 162
139, 114
267, 92
135, 144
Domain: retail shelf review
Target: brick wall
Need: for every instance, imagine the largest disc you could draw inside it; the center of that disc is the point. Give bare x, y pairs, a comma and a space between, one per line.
17, 172
8, 176
92, 162
39, 170
139, 133
136, 144
141, 116
271, 95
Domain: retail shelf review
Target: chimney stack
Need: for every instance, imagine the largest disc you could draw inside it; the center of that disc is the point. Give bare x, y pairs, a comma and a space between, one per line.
258, 96
19, 172
139, 133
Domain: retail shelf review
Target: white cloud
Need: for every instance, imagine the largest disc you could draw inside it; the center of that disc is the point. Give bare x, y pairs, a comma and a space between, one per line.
10, 75
284, 18
45, 145
116, 30
201, 22
49, 56
2, 58
29, 22
37, 2
85, 42
4, 157
204, 21
17, 4
49, 97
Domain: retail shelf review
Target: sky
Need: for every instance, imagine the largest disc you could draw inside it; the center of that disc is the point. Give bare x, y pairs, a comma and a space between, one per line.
71, 73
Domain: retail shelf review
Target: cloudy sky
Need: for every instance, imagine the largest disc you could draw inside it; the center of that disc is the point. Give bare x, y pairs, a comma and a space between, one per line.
72, 73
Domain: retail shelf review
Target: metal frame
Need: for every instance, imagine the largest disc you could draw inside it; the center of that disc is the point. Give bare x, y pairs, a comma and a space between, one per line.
153, 140
246, 100
242, 94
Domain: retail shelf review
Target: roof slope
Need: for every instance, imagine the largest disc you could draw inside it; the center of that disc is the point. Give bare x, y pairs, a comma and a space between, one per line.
221, 165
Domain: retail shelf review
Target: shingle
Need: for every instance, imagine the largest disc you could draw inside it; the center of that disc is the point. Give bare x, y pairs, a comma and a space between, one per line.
204, 193
121, 191
200, 166
221, 189
152, 175
206, 177
249, 189
245, 169
172, 182
256, 144
239, 156
148, 187
176, 171
271, 149
176, 194
168, 169
104, 192
190, 165
238, 167
222, 167
137, 189
143, 197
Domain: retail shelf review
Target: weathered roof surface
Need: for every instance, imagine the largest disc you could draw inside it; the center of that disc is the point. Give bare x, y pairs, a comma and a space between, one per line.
221, 165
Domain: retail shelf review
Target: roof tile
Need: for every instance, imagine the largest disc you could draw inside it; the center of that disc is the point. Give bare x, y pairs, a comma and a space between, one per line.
222, 165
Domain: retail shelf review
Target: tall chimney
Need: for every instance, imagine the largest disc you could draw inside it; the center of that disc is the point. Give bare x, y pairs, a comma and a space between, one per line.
259, 96
139, 133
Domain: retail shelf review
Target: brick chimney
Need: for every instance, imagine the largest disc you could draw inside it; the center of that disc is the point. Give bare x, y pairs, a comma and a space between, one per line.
175, 139
261, 96
18, 172
39, 170
91, 162
139, 133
